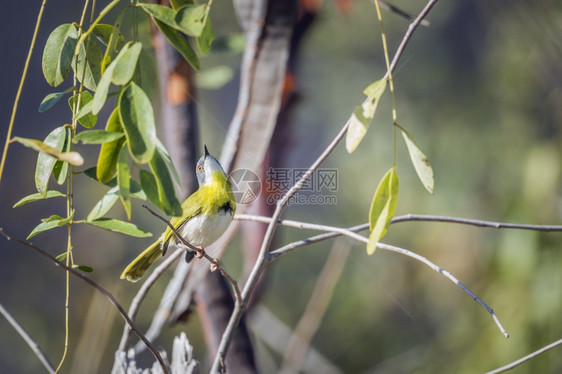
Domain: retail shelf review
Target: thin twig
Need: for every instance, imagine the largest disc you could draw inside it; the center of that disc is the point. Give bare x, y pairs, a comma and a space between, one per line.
281, 204
526, 358
215, 263
400, 12
391, 248
300, 225
411, 28
273, 255
100, 289
475, 222
448, 275
143, 291
28, 339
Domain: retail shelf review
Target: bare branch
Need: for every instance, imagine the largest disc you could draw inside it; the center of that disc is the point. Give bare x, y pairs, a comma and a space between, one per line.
475, 222
526, 358
28, 339
401, 13
411, 28
391, 248
100, 289
448, 275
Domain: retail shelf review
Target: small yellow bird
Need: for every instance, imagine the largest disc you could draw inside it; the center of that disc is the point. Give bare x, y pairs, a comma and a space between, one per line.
207, 213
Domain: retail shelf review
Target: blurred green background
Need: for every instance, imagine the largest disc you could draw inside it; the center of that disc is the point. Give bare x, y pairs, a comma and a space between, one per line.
481, 89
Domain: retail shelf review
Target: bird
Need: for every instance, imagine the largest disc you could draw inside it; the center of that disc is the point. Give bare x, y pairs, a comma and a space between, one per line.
207, 213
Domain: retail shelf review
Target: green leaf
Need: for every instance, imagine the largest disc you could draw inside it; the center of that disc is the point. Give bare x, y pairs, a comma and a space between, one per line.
382, 208
103, 86
46, 163
84, 268
61, 167
84, 115
168, 161
360, 120
73, 158
52, 98
61, 257
179, 43
103, 32
206, 38
190, 18
38, 196
104, 204
124, 180
136, 190
419, 159
176, 4
59, 53
89, 63
214, 77
97, 136
161, 13
114, 39
146, 74
109, 152
167, 200
137, 117
48, 224
148, 183
125, 64
110, 198
120, 227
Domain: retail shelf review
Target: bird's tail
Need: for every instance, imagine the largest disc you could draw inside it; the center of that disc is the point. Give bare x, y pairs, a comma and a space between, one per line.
140, 265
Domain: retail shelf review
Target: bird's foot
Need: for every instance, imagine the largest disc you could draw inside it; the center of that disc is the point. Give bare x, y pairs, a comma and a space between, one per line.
214, 264
200, 254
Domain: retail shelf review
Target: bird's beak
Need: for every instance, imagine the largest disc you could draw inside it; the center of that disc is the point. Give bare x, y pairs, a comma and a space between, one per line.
206, 151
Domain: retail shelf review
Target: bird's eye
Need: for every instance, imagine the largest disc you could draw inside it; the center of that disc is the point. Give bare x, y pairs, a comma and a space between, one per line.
199, 168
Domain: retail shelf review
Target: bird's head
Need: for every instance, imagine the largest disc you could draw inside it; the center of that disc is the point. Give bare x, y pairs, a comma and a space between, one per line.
209, 170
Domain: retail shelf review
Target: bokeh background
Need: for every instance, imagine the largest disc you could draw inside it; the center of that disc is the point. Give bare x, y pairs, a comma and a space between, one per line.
481, 89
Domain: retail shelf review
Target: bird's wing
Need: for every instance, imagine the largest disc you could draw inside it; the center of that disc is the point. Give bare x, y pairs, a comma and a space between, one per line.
191, 208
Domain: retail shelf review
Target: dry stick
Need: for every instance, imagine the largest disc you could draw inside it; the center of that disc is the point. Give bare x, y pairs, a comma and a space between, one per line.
526, 358
387, 247
143, 291
28, 339
215, 263
100, 289
261, 261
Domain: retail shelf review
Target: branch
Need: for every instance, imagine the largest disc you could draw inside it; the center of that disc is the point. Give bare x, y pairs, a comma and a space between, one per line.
413, 26
475, 222
526, 358
100, 289
388, 247
28, 339
400, 12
